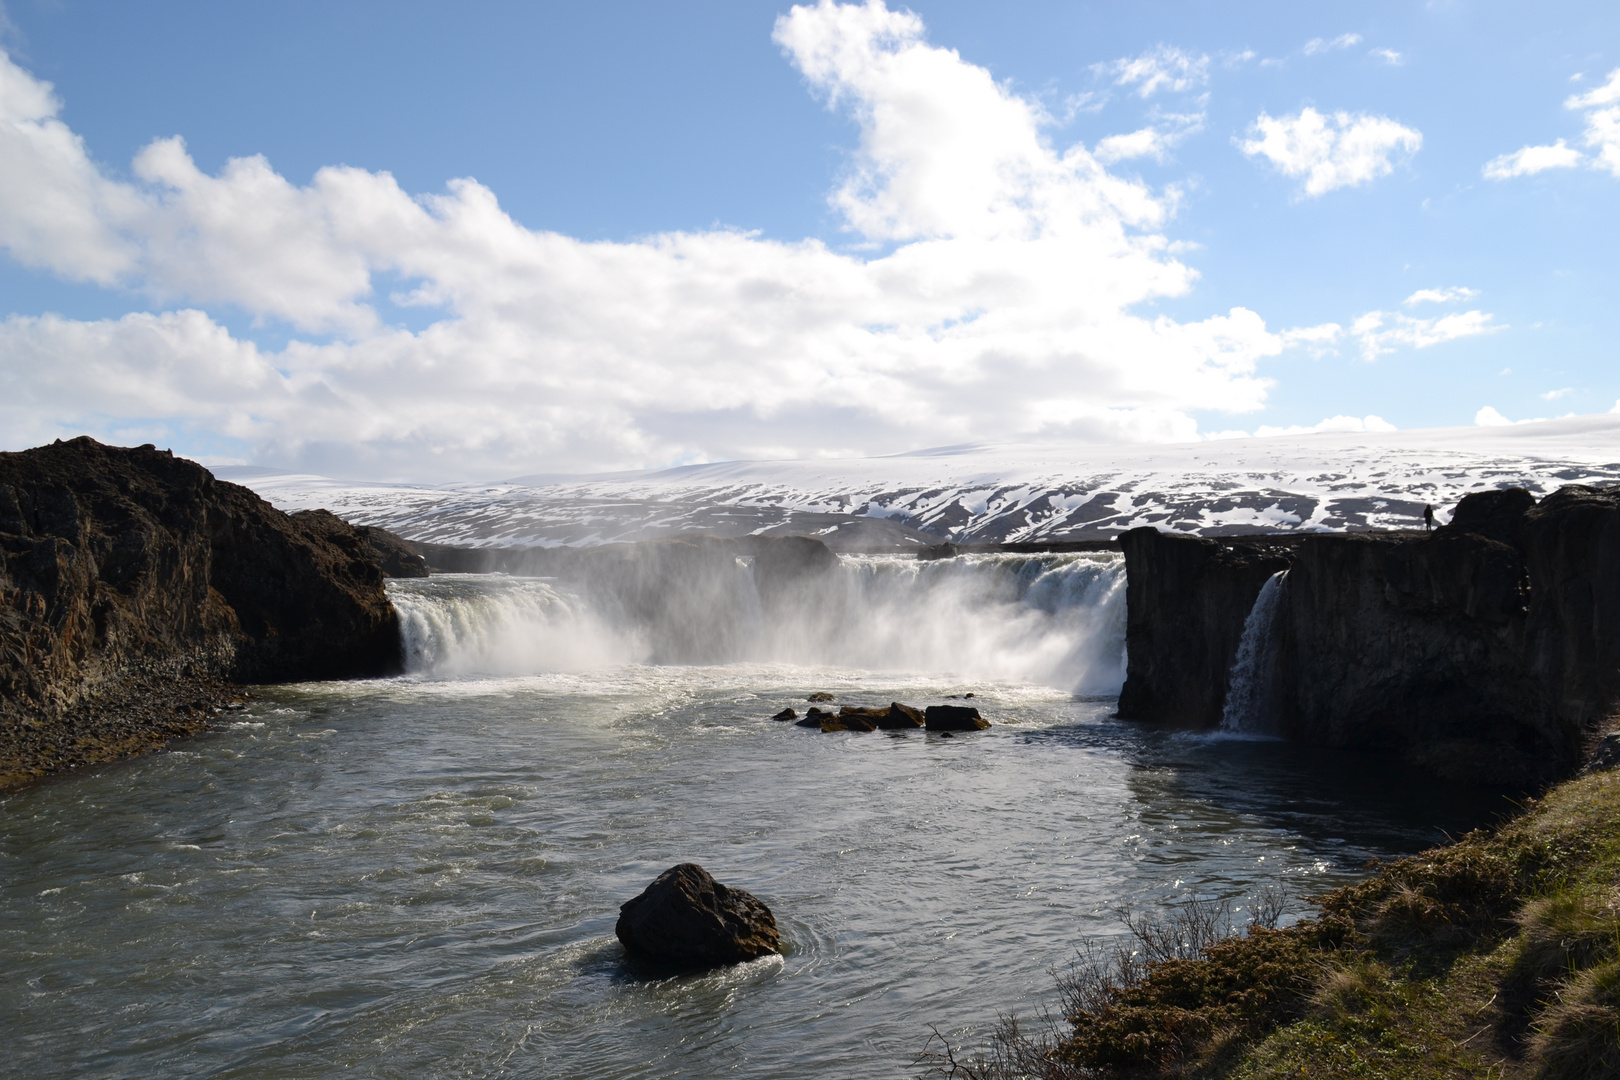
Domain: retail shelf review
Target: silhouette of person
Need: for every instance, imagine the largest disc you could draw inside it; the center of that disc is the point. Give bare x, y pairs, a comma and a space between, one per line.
1428, 517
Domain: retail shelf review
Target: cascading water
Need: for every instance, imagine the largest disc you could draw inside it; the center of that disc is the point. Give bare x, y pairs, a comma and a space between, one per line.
1249, 705
1054, 620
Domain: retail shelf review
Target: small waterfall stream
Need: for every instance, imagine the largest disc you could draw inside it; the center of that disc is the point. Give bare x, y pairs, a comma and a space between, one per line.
1250, 705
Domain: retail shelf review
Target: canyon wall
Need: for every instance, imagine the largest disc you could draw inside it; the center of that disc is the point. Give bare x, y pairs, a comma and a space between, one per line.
1485, 651
134, 588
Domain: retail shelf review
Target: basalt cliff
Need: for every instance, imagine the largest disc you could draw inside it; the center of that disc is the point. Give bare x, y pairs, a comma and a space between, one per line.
1487, 650
135, 588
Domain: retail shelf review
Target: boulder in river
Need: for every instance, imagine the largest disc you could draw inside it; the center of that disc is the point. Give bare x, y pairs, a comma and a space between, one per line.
853, 718
815, 717
898, 717
687, 919
819, 695
786, 714
954, 718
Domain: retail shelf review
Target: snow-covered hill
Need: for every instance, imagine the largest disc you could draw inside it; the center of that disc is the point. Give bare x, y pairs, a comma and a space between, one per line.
994, 493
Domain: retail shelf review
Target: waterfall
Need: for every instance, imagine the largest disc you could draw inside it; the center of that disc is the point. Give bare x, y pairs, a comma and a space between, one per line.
1055, 619
1250, 708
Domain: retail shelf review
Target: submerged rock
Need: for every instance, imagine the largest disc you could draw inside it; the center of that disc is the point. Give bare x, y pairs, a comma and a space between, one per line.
687, 919
954, 718
786, 714
852, 718
820, 695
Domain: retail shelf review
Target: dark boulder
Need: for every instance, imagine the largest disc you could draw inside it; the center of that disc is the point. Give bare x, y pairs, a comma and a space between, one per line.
687, 919
1495, 515
820, 695
898, 717
786, 714
816, 717
853, 718
954, 718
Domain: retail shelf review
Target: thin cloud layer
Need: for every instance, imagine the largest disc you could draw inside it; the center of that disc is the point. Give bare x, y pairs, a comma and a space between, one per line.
987, 263
1330, 151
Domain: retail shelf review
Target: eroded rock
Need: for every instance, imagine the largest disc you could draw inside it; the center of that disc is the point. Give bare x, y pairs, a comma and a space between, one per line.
954, 718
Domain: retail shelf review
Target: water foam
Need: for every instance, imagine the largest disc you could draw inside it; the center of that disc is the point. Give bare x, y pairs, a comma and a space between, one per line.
1053, 620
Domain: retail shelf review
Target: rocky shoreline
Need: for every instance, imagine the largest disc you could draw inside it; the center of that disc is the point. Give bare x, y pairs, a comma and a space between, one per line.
137, 594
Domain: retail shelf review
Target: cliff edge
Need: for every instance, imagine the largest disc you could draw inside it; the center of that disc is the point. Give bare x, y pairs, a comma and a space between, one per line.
1486, 651
135, 587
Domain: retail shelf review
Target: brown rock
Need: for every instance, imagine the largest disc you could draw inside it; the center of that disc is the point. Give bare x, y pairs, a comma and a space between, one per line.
786, 714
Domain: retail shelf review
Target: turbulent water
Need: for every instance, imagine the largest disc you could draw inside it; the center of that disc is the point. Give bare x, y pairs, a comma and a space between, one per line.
418, 877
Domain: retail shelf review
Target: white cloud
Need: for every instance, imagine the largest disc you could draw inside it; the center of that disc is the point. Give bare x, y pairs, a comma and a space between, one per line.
1441, 296
1154, 142
1380, 332
1601, 105
1341, 150
1532, 159
1322, 45
1163, 68
1010, 264
1489, 417
1332, 423
1387, 56
1554, 395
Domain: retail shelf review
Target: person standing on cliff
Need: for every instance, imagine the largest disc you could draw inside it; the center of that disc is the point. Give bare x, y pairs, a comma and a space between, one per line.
1428, 517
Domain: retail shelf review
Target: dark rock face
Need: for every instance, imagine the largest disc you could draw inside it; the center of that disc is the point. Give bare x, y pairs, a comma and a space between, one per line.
898, 717
954, 718
1185, 602
1484, 651
134, 586
398, 557
786, 714
687, 919
851, 719
816, 717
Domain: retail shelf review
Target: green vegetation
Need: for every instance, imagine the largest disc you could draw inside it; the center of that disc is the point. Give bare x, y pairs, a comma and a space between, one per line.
1497, 956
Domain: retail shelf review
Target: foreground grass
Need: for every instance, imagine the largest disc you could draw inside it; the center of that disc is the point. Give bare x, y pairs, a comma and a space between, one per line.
1497, 956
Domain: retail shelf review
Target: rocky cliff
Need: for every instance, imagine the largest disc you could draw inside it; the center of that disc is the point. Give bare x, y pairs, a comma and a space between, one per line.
134, 587
1486, 651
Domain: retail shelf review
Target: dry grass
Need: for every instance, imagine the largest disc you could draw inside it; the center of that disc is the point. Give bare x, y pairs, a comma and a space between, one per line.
1497, 956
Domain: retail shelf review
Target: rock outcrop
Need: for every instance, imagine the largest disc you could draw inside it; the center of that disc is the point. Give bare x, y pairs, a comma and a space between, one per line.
134, 587
1487, 651
686, 919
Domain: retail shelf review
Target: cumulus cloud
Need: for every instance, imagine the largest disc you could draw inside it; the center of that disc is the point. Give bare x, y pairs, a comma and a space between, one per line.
1387, 56
1322, 45
1380, 332
1441, 296
1164, 68
991, 289
1601, 105
1554, 395
1332, 423
1341, 150
1530, 160
1489, 417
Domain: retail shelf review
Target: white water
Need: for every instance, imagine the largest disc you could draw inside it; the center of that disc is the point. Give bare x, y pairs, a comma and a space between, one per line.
1249, 706
1050, 620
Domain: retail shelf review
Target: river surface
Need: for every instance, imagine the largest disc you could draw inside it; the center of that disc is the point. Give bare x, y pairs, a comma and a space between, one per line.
419, 877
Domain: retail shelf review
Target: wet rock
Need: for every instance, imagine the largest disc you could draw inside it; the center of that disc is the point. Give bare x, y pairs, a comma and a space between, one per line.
852, 718
820, 695
898, 717
687, 919
786, 714
816, 717
954, 718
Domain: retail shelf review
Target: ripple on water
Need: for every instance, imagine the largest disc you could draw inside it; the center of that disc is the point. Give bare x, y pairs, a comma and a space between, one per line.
420, 877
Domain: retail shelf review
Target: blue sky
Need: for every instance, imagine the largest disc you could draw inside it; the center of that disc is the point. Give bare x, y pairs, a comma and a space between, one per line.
1083, 299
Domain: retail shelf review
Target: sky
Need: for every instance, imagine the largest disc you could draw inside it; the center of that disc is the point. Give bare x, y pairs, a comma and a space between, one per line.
410, 241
